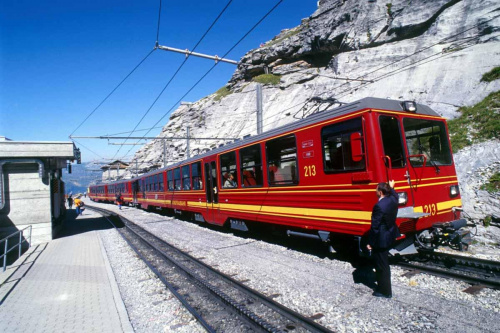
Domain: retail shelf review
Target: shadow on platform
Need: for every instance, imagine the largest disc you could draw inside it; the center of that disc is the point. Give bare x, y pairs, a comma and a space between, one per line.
89, 221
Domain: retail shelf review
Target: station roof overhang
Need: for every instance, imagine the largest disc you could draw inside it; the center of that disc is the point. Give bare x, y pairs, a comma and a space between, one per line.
37, 149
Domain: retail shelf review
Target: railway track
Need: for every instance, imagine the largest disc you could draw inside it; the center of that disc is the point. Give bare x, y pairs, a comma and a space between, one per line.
478, 272
219, 302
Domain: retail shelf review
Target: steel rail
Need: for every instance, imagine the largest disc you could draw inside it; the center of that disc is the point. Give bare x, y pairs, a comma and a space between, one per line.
251, 317
289, 314
458, 260
172, 289
284, 311
471, 270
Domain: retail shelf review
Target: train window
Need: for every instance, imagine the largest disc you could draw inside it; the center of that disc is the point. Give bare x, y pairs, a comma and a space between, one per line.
186, 179
170, 180
282, 161
196, 176
336, 139
427, 138
160, 182
391, 140
228, 170
155, 181
177, 179
251, 166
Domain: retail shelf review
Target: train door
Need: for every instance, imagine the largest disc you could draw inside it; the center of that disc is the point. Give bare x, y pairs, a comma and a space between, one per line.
211, 190
394, 155
135, 189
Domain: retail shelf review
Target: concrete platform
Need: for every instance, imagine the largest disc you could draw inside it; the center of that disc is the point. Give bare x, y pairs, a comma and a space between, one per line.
65, 285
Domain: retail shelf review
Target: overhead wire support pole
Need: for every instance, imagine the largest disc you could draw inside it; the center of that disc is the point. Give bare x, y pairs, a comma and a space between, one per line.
196, 54
187, 142
259, 108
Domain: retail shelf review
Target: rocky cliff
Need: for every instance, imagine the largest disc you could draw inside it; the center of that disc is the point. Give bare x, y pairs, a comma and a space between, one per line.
431, 51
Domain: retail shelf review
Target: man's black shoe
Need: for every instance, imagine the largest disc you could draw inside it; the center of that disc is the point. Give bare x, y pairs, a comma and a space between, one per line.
377, 294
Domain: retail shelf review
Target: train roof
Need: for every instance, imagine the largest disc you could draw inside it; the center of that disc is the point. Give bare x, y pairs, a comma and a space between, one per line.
365, 103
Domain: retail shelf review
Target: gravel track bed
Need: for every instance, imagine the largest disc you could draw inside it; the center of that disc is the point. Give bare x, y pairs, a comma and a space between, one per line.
150, 305
313, 285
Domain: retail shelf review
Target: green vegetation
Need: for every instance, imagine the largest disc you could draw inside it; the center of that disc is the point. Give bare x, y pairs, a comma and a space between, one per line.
477, 123
221, 93
492, 75
493, 184
452, 49
389, 7
279, 39
487, 221
268, 79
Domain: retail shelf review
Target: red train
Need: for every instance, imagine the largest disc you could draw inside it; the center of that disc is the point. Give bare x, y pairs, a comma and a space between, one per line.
317, 177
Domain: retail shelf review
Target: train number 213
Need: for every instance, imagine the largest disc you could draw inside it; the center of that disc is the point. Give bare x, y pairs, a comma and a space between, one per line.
431, 209
309, 171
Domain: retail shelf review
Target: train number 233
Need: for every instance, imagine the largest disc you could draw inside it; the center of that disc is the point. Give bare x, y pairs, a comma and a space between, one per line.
309, 171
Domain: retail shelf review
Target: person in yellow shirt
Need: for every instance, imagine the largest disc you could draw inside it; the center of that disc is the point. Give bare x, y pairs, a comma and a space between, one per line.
79, 204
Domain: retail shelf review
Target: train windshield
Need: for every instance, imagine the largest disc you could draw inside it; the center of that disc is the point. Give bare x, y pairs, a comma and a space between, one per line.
427, 138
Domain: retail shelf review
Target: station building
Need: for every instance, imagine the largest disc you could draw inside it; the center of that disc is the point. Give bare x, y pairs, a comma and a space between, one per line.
31, 186
113, 171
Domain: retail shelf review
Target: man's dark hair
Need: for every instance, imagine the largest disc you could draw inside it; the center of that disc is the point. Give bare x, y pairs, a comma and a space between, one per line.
384, 188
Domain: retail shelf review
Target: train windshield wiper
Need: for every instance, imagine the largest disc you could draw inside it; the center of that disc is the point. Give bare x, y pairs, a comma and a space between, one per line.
431, 162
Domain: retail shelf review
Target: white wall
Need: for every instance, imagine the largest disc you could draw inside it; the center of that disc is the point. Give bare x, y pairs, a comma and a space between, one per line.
27, 202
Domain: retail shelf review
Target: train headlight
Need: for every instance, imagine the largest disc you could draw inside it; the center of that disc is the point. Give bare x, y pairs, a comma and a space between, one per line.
454, 191
402, 198
409, 106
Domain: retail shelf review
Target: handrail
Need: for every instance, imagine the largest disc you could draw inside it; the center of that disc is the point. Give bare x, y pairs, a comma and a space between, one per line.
418, 155
389, 172
19, 244
423, 165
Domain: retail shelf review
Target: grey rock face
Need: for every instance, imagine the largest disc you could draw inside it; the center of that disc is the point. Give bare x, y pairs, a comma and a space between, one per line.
475, 165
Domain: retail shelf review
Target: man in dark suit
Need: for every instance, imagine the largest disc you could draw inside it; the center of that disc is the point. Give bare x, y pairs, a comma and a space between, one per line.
383, 233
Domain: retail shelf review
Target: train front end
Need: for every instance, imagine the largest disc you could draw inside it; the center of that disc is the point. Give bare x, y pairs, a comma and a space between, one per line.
416, 152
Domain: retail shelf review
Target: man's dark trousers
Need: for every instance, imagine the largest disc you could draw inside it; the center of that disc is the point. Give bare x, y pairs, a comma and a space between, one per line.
382, 234
383, 271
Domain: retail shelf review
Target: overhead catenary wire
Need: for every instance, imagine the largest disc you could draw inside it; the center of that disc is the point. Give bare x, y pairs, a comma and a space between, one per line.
112, 91
93, 152
401, 59
137, 130
417, 63
176, 72
394, 72
204, 75
418, 51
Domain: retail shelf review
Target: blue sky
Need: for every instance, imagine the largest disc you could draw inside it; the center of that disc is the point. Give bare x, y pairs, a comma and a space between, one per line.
59, 59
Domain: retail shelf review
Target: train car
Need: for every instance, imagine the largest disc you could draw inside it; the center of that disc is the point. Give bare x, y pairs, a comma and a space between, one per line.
316, 177
121, 188
98, 193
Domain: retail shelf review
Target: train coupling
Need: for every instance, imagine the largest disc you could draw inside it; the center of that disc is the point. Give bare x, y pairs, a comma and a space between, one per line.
450, 233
